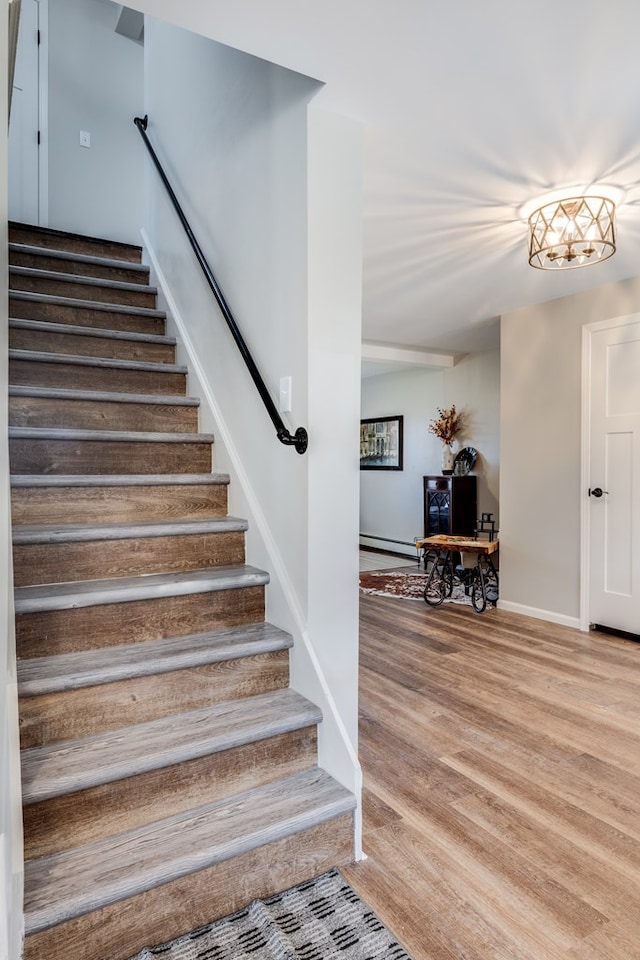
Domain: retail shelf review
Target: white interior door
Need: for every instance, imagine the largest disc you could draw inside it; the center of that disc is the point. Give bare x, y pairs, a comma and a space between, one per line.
23, 147
614, 475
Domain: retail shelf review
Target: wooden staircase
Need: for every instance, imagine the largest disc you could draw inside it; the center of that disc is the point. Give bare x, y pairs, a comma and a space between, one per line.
169, 773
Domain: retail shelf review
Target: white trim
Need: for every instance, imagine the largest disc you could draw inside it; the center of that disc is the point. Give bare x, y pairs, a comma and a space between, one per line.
612, 322
43, 113
550, 615
585, 458
400, 547
4, 904
278, 568
385, 353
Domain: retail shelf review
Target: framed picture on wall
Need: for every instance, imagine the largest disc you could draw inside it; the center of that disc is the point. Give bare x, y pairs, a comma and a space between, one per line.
381, 443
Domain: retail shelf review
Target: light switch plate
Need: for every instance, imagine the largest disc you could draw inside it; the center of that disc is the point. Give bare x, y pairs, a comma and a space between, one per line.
285, 395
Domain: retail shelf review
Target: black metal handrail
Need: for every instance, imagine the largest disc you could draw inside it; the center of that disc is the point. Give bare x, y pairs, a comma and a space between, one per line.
300, 439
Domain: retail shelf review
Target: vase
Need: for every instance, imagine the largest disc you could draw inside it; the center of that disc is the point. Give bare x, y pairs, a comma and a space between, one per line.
448, 460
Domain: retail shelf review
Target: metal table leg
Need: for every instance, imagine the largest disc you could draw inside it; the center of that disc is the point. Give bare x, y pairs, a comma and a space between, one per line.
485, 584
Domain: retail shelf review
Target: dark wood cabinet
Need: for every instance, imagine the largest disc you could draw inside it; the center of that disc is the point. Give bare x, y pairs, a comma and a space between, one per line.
450, 506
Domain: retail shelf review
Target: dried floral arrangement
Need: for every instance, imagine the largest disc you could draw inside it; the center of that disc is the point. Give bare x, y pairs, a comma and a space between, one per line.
446, 425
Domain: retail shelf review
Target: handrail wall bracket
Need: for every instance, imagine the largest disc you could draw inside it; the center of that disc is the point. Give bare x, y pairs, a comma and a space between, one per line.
299, 440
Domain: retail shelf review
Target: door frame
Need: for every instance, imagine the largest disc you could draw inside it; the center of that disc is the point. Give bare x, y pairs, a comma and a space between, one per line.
585, 513
43, 113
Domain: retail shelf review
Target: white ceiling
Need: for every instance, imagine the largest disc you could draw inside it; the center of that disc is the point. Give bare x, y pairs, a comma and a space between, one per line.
470, 110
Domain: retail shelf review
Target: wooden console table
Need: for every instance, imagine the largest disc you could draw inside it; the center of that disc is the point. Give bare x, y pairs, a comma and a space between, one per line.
481, 578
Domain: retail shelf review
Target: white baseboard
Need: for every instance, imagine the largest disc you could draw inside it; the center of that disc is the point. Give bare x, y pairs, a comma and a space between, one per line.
397, 547
550, 615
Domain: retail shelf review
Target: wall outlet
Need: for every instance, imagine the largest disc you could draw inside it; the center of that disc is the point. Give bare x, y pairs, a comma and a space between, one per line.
85, 138
285, 395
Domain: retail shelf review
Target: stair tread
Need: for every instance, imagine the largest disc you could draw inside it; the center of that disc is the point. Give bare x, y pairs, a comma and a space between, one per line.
89, 304
61, 393
37, 273
82, 532
77, 257
87, 593
57, 769
42, 356
69, 884
116, 480
46, 326
82, 668
70, 235
139, 436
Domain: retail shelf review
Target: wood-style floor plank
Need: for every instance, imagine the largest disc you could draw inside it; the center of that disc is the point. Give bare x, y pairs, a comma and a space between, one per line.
501, 760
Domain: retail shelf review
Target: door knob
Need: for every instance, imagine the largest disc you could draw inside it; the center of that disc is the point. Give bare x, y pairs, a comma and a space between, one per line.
597, 492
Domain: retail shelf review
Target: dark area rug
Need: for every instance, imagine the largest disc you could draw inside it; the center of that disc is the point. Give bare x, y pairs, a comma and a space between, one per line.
406, 586
318, 920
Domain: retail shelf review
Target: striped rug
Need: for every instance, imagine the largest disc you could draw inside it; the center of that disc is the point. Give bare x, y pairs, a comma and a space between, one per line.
323, 919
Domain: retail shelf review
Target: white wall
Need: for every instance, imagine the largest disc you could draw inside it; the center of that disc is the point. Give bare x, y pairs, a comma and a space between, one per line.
391, 502
335, 303
272, 190
231, 133
540, 448
10, 802
95, 84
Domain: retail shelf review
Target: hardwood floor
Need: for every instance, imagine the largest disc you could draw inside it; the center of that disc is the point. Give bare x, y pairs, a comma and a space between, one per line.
501, 759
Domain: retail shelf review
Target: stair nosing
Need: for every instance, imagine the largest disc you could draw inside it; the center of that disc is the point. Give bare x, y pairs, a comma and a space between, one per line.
88, 593
75, 330
57, 254
25, 480
140, 748
101, 396
200, 838
87, 304
58, 673
106, 436
60, 277
75, 360
29, 534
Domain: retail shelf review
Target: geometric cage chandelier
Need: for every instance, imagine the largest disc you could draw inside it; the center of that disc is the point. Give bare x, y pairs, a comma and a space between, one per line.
572, 233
